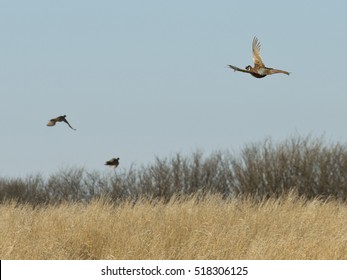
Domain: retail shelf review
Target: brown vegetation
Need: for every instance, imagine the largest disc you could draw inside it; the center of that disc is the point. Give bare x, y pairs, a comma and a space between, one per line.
259, 170
284, 201
212, 228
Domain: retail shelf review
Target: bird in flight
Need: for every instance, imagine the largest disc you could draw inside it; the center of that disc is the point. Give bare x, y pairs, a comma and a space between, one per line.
259, 70
113, 162
52, 122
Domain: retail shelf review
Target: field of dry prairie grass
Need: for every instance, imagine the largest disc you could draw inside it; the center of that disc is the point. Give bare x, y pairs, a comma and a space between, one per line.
286, 228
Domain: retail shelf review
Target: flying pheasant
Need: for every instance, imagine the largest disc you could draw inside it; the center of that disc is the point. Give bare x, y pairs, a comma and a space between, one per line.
113, 162
259, 70
52, 122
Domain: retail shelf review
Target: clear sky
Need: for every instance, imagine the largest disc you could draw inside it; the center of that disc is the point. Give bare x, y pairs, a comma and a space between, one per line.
145, 79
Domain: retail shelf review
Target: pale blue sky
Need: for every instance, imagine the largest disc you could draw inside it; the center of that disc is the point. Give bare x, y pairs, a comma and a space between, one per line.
140, 79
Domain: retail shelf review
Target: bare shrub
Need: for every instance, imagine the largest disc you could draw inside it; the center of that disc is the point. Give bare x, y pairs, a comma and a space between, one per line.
305, 164
260, 170
29, 190
66, 185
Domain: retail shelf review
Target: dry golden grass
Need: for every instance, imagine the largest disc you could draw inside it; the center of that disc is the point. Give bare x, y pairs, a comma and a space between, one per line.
287, 228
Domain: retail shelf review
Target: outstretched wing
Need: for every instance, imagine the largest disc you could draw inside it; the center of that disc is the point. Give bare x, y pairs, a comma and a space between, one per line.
51, 122
238, 69
112, 162
64, 120
258, 62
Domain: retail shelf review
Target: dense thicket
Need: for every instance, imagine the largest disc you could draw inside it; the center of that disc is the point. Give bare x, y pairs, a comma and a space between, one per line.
309, 166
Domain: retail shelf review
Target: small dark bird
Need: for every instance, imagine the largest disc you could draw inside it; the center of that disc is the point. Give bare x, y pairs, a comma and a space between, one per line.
52, 122
259, 70
113, 162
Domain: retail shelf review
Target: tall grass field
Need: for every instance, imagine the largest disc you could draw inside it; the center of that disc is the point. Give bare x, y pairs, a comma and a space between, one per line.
212, 228
269, 201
